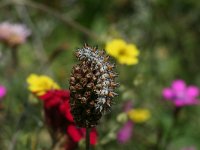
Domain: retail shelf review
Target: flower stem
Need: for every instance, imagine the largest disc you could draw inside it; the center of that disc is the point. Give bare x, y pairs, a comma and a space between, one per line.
172, 128
159, 137
87, 138
14, 53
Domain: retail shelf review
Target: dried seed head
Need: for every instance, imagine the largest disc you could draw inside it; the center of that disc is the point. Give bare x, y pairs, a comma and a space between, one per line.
92, 85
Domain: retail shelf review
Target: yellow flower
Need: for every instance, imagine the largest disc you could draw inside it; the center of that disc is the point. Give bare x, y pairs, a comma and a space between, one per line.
125, 53
39, 85
139, 115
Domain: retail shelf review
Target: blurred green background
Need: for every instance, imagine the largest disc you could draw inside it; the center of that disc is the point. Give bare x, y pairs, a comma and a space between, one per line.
166, 33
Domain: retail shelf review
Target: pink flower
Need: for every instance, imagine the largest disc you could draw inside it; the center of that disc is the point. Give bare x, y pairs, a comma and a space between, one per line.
136, 115
125, 133
189, 148
13, 34
128, 105
2, 91
180, 94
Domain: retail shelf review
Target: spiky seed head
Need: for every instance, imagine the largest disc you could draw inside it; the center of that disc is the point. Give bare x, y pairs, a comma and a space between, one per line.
92, 85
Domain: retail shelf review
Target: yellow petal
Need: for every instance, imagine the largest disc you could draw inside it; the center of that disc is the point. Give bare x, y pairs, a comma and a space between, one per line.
41, 84
133, 51
113, 47
139, 115
32, 78
127, 60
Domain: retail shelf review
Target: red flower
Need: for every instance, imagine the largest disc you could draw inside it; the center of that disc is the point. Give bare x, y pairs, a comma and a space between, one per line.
79, 133
65, 110
55, 98
93, 136
59, 117
74, 133
57, 109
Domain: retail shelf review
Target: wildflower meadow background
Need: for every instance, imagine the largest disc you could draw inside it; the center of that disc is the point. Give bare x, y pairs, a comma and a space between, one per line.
154, 45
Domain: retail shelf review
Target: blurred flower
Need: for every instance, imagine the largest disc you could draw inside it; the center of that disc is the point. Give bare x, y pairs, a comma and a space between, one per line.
59, 117
139, 115
58, 99
125, 133
2, 91
39, 85
128, 105
13, 34
77, 134
57, 109
180, 94
125, 53
189, 148
122, 117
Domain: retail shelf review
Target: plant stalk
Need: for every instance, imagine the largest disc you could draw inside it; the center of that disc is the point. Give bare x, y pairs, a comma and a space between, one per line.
14, 53
87, 138
173, 127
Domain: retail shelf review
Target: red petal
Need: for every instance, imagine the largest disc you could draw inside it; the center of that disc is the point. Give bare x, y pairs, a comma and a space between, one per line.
52, 103
69, 116
74, 133
93, 135
65, 110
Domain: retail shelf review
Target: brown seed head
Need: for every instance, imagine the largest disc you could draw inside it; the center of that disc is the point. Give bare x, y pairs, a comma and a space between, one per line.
92, 85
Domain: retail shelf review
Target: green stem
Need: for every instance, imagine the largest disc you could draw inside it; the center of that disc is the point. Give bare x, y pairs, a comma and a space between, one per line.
159, 137
87, 138
14, 53
172, 128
